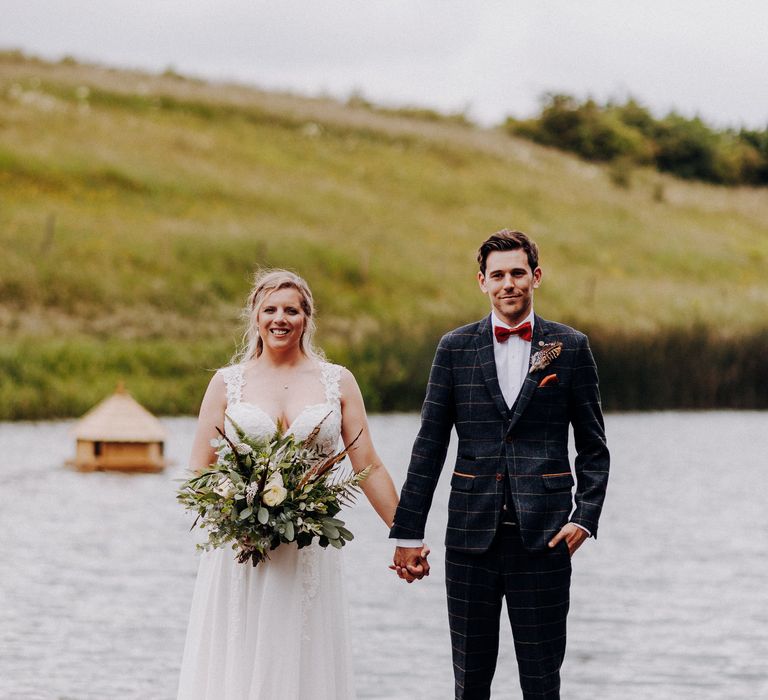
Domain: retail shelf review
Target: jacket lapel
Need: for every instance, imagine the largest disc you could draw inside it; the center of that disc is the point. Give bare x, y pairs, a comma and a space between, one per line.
531, 380
484, 347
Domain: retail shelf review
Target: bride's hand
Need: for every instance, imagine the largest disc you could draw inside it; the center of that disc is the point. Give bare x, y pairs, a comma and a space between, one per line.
425, 551
410, 563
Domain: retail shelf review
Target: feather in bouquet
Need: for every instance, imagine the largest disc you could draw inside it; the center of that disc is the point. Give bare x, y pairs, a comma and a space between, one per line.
260, 494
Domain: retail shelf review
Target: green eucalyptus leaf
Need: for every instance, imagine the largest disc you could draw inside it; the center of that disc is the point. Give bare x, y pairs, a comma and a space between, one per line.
262, 515
330, 530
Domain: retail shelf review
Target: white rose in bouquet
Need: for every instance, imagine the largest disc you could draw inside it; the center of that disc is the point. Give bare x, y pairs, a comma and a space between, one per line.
274, 490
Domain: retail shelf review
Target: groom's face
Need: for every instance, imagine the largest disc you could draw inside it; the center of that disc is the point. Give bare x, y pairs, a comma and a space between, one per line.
509, 283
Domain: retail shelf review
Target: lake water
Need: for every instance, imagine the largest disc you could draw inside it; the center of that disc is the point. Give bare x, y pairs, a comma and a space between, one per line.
670, 603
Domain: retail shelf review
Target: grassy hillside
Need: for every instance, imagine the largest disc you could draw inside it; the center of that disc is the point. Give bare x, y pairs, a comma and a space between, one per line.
134, 209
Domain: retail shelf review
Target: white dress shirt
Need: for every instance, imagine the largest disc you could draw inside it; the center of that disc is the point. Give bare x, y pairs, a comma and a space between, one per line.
512, 359
512, 362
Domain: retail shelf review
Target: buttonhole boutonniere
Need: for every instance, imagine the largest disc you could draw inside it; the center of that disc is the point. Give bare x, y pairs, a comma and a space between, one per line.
545, 355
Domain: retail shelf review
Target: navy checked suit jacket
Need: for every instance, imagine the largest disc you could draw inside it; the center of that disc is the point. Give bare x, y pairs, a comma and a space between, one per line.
526, 444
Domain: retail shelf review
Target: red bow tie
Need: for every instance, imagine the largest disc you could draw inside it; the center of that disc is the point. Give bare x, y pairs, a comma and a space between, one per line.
523, 330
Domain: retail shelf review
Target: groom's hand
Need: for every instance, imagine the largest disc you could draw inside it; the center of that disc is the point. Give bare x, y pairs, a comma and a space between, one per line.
572, 534
410, 563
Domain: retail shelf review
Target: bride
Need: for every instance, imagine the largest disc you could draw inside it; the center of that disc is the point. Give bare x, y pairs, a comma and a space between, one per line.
278, 631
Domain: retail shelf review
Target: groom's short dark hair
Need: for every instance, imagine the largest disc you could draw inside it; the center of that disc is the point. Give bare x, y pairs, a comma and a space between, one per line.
508, 240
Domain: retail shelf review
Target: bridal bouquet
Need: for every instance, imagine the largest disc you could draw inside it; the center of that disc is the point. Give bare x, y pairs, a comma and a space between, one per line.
258, 495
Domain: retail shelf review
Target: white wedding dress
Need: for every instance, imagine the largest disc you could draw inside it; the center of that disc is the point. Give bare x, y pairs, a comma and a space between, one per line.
276, 631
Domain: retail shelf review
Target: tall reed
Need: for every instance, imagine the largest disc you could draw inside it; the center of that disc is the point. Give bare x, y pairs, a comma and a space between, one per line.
673, 369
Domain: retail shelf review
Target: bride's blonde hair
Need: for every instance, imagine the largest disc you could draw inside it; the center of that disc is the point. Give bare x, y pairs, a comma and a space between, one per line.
264, 283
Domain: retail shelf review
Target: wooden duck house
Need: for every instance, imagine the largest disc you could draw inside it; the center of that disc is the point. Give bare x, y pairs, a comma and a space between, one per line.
120, 434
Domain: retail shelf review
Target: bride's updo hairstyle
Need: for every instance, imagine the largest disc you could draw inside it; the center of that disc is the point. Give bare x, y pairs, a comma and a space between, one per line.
264, 283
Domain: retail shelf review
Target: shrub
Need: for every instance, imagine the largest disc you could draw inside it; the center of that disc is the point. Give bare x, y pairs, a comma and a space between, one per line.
626, 134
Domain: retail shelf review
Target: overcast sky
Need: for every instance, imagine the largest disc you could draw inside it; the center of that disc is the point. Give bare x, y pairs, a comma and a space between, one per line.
493, 58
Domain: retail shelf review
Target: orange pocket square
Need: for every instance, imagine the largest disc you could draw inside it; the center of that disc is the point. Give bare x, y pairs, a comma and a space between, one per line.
549, 380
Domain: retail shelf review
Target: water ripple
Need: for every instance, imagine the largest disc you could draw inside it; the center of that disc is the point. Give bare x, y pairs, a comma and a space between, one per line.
669, 603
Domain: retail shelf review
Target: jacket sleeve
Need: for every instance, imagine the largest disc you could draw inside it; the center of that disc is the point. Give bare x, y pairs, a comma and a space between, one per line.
592, 458
429, 449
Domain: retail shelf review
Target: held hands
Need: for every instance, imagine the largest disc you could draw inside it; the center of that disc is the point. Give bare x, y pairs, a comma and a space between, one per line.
573, 535
410, 563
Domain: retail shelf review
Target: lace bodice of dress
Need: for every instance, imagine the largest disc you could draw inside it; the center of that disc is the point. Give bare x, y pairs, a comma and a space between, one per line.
258, 424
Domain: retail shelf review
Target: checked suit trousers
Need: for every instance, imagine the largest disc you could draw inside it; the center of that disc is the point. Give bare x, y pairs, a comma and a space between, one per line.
536, 587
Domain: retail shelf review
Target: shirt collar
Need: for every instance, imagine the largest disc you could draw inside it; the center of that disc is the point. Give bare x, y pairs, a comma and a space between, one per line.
496, 321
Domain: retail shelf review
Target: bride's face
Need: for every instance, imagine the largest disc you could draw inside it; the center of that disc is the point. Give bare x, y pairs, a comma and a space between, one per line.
281, 319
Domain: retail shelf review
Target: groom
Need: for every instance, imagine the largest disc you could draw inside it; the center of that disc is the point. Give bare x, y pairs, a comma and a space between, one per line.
511, 385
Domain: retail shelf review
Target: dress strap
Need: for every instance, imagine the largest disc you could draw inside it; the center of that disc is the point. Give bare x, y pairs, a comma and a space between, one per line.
331, 377
234, 380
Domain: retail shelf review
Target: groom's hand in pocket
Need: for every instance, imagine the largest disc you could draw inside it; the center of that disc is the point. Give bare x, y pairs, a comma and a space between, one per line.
410, 563
573, 535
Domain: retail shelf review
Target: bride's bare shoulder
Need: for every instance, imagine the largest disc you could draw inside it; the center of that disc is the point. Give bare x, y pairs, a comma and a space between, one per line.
219, 377
348, 384
216, 393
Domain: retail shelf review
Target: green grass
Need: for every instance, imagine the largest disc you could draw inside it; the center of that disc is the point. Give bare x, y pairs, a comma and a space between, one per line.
134, 212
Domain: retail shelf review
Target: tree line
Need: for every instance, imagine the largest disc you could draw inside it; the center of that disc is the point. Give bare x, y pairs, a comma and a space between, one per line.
628, 132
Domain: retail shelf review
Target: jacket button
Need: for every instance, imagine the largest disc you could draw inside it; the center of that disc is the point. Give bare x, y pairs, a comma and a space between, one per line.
509, 438
499, 477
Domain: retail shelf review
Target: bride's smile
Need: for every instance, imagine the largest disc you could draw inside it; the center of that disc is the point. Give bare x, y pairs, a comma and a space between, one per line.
281, 319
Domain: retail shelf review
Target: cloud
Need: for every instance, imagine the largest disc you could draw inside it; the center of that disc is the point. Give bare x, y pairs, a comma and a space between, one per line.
496, 55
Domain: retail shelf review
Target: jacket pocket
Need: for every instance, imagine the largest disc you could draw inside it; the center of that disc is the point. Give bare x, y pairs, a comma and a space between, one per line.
462, 482
558, 482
